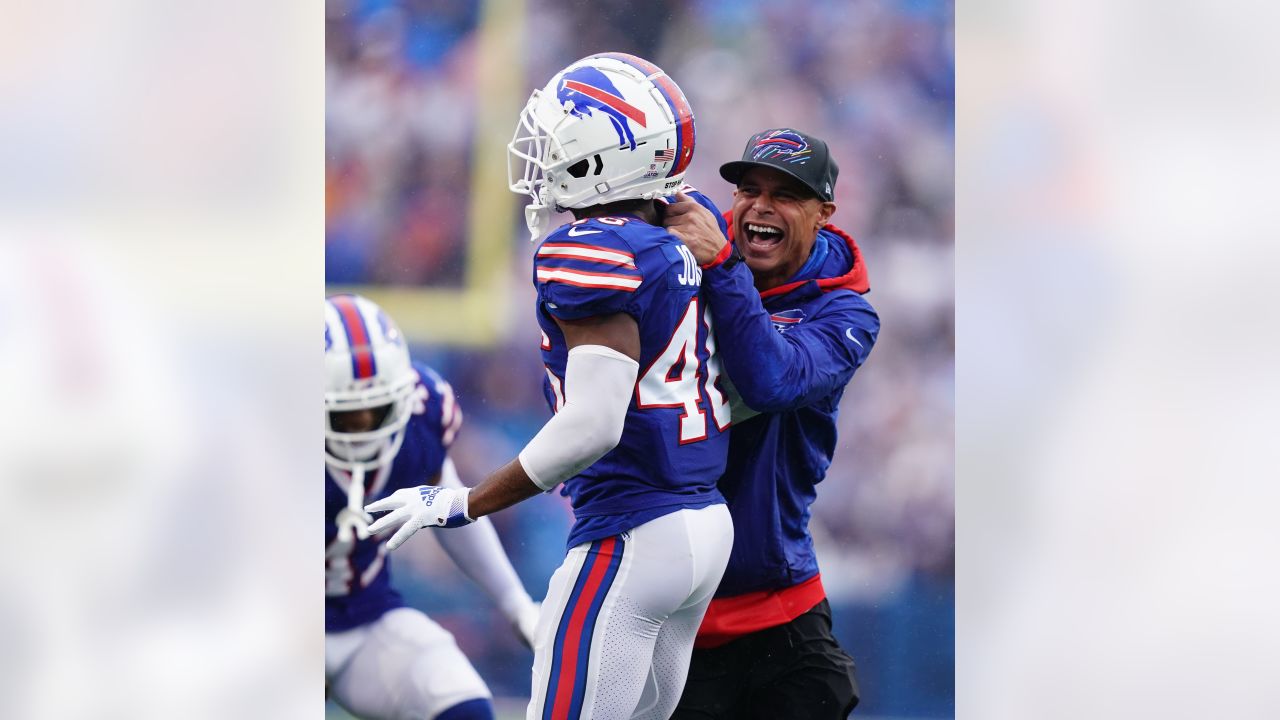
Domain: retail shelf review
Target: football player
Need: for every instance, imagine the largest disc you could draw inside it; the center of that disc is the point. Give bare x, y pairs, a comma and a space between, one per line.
640, 412
388, 425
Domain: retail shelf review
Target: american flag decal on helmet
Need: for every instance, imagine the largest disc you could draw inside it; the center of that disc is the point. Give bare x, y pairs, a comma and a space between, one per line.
664, 155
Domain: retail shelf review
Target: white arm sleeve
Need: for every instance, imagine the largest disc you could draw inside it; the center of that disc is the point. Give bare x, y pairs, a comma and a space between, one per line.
598, 383
476, 551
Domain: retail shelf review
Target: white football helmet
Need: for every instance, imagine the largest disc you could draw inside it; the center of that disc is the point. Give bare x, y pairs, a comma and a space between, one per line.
366, 367
608, 127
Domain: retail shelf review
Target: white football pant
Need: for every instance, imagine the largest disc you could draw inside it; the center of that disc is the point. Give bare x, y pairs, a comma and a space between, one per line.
402, 666
617, 626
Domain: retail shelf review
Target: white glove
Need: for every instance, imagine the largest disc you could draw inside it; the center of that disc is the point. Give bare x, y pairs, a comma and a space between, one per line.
526, 623
423, 506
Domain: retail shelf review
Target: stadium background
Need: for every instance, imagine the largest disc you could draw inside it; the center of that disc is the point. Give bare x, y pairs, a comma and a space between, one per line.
421, 99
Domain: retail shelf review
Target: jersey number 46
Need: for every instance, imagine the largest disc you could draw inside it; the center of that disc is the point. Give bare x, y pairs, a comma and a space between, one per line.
672, 379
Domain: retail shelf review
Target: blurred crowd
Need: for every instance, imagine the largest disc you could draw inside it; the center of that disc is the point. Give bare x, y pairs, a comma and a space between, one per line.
874, 78
399, 112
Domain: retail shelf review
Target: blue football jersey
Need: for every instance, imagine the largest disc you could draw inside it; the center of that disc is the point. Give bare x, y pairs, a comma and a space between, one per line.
357, 580
674, 441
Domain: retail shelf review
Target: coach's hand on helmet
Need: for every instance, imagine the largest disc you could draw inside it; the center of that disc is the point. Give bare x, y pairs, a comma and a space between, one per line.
414, 508
696, 227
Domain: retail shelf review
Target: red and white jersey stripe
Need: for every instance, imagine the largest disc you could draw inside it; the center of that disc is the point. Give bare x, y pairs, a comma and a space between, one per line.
587, 279
588, 253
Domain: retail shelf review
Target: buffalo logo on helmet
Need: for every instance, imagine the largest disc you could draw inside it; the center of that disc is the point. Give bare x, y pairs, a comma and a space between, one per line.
588, 89
389, 330
781, 145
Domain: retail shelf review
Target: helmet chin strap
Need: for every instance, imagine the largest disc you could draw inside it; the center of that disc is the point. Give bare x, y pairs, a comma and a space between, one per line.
536, 216
352, 520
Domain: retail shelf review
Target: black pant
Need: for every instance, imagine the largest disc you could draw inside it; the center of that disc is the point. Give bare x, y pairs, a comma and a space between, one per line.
795, 671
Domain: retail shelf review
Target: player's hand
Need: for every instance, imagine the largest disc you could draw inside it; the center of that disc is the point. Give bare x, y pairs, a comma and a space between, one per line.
526, 623
423, 506
695, 226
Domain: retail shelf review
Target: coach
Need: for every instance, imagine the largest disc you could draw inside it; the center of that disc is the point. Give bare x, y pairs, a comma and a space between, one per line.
785, 296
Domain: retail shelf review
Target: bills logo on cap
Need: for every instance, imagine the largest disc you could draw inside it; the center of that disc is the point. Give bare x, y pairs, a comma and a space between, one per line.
781, 146
588, 89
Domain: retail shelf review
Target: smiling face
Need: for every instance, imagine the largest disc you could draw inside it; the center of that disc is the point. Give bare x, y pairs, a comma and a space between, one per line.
776, 220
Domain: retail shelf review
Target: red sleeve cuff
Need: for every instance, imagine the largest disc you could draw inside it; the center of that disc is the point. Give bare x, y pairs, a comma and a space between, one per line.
720, 257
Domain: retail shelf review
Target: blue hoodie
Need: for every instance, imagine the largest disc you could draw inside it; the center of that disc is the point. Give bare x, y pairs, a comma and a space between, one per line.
789, 351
